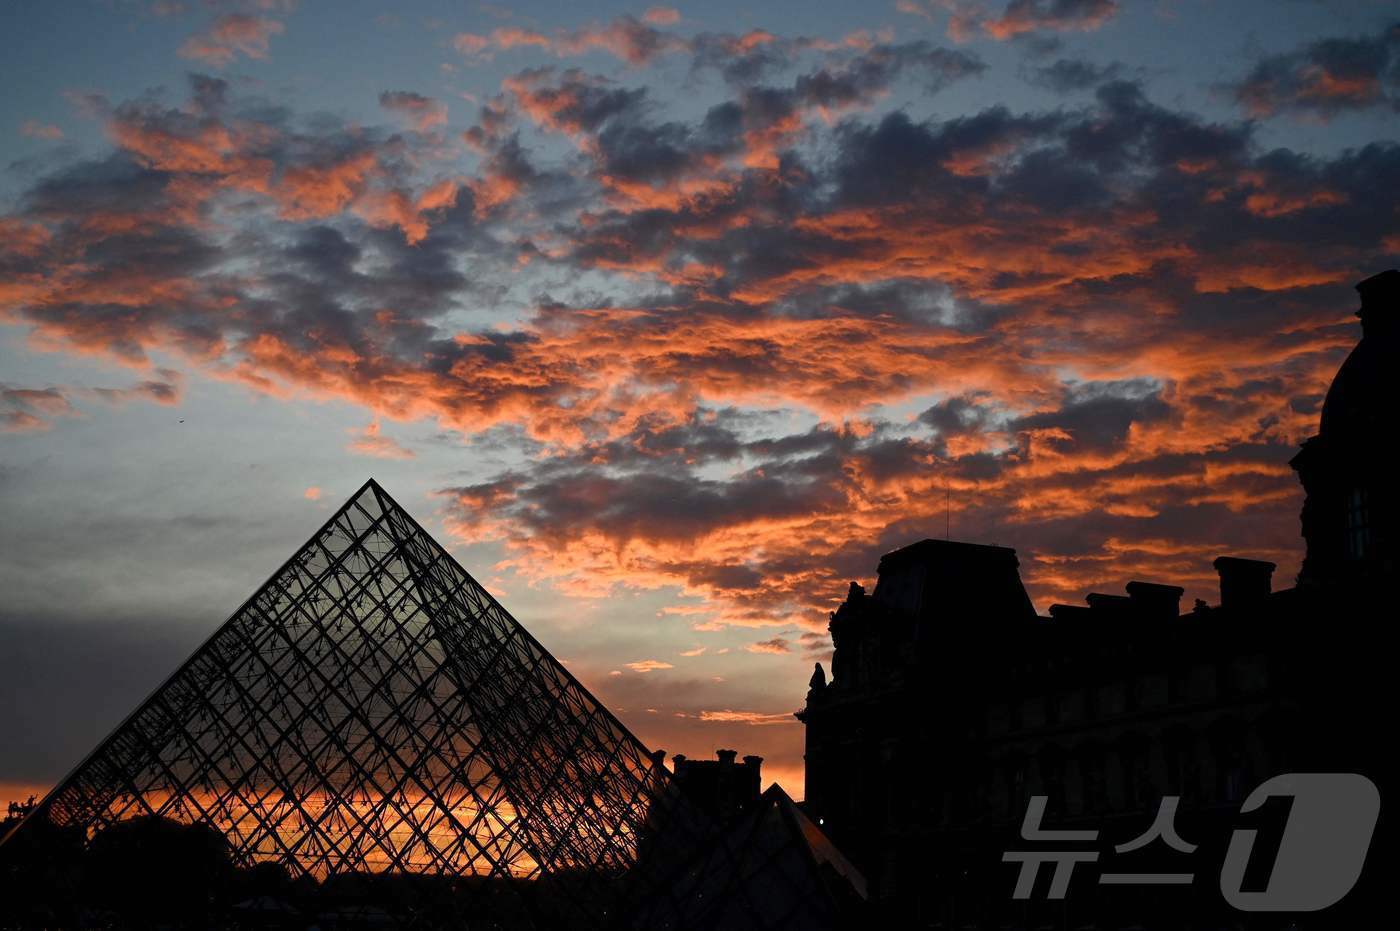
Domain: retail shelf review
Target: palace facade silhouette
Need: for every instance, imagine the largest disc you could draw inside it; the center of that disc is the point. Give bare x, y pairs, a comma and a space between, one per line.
952, 702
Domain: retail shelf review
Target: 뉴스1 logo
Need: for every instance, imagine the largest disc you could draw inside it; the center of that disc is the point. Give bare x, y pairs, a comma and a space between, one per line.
1319, 860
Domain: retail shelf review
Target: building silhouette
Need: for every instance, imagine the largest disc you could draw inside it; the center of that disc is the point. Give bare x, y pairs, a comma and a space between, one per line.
952, 703
1348, 470
723, 788
373, 713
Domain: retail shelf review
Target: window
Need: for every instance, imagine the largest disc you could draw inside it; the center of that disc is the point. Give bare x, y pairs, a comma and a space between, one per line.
1052, 778
1182, 773
1231, 763
1016, 784
1226, 684
1178, 689
1091, 769
1358, 527
1232, 774
1137, 775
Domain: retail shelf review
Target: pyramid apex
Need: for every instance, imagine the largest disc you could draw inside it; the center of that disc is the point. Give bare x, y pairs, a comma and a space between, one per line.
370, 486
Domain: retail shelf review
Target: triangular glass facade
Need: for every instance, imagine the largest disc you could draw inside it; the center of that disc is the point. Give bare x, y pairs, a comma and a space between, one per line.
771, 869
372, 708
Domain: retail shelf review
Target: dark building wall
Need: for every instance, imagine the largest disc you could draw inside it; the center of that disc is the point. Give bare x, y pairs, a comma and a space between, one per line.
952, 703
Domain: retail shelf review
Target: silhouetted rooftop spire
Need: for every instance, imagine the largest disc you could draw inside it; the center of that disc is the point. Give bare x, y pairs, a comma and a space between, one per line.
1347, 470
1362, 398
1380, 300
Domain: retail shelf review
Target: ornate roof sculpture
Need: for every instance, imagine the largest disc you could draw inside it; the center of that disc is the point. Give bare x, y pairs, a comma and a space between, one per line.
1350, 511
1360, 402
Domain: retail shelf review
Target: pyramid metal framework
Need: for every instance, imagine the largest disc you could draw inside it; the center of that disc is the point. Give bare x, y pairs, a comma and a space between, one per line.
771, 869
372, 708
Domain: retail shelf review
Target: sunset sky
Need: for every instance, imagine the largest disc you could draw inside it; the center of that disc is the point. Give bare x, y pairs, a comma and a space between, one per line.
667, 321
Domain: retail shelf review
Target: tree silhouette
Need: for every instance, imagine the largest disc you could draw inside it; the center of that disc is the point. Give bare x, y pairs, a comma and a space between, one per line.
39, 871
153, 870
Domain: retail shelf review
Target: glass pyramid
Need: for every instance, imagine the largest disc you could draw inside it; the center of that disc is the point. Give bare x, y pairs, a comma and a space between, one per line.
372, 708
770, 869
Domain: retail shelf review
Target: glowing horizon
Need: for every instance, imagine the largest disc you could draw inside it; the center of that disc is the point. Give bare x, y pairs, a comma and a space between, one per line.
669, 321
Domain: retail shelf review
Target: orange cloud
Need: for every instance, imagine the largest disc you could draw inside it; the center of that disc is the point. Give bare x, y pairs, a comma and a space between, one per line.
314, 191
422, 113
662, 16
232, 35
824, 302
1017, 17
395, 208
634, 41
36, 130
1325, 77
752, 718
648, 665
1023, 16
28, 410
370, 442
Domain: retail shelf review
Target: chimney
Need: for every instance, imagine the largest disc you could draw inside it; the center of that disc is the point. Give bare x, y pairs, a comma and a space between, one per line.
753, 778
1243, 580
1101, 601
1161, 601
726, 757
1070, 613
